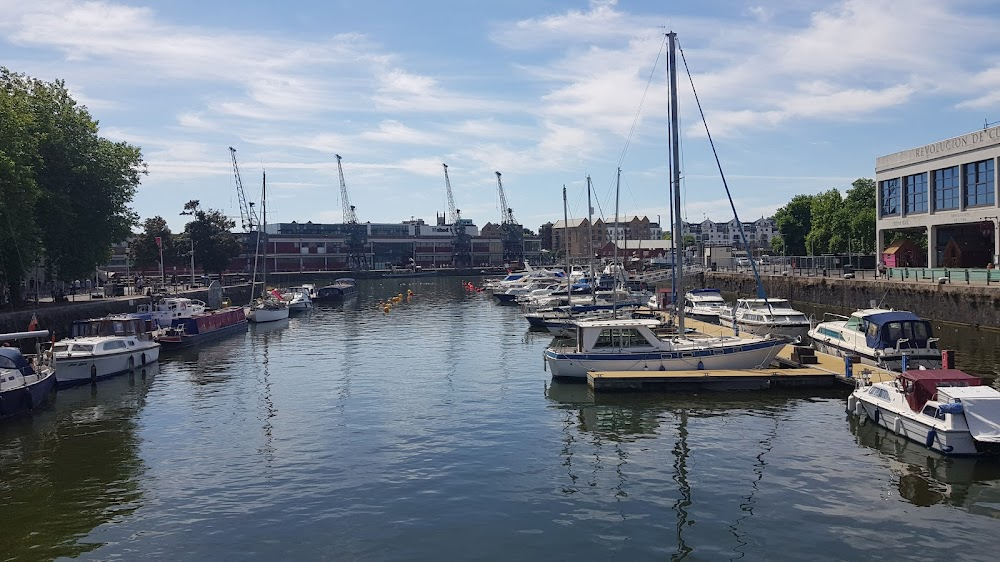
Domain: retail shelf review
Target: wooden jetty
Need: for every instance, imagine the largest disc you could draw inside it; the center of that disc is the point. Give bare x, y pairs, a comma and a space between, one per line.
795, 367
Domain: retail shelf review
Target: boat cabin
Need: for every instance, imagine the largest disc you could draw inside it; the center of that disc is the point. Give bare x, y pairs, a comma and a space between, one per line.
921, 385
616, 335
892, 329
110, 326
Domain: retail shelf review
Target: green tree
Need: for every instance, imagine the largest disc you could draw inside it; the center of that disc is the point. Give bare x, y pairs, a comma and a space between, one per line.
65, 189
829, 230
215, 245
794, 221
859, 206
778, 245
143, 250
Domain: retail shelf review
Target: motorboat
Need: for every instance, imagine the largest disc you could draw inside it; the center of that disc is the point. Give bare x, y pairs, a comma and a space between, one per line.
339, 290
631, 345
26, 380
947, 410
164, 311
103, 347
880, 337
207, 326
269, 308
766, 316
298, 298
704, 305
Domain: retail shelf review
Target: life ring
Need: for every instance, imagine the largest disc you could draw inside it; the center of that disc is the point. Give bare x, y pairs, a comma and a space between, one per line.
131, 362
93, 374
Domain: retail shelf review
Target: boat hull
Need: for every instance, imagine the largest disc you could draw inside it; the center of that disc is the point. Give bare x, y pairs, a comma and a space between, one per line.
82, 369
958, 443
259, 315
189, 340
891, 362
789, 332
23, 400
747, 356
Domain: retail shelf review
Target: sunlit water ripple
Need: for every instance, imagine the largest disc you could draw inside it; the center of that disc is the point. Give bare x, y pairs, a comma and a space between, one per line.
433, 432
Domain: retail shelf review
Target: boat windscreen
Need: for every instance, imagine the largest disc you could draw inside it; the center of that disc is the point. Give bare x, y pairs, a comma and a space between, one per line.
884, 336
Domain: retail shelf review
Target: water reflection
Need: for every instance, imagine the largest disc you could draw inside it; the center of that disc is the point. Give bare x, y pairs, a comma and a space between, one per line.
208, 363
72, 467
927, 478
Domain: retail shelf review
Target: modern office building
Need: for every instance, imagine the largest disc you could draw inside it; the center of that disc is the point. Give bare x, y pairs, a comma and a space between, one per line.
945, 191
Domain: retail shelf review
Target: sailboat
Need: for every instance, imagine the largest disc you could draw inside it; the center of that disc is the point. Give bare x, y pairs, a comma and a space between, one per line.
634, 344
269, 307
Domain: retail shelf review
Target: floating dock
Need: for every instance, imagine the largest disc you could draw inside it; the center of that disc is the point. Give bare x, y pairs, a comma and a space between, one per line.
795, 367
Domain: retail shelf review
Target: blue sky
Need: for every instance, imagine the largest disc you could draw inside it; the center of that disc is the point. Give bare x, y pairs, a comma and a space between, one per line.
801, 96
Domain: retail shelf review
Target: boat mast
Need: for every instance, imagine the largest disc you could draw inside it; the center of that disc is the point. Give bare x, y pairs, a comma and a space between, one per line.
569, 266
617, 266
263, 230
590, 245
675, 181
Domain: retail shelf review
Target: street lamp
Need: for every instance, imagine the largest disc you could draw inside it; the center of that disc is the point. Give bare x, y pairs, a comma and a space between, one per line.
192, 261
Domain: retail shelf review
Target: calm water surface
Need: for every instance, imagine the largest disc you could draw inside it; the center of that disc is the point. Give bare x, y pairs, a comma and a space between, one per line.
433, 432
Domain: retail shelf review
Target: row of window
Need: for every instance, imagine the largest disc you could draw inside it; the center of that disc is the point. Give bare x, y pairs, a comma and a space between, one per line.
912, 192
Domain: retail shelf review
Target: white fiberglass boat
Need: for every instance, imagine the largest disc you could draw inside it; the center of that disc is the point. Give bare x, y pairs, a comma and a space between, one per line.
947, 410
103, 347
880, 337
268, 309
770, 316
298, 298
704, 305
631, 345
164, 311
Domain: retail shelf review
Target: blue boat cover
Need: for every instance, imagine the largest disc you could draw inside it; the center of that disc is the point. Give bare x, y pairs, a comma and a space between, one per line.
11, 358
884, 329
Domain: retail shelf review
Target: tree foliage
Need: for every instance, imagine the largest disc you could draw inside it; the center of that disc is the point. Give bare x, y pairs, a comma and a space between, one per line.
794, 221
215, 245
828, 223
64, 190
143, 250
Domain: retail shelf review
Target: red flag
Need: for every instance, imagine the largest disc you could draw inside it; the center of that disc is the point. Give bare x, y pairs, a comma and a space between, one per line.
33, 325
159, 242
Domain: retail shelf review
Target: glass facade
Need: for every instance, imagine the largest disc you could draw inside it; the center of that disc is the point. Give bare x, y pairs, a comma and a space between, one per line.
889, 197
915, 187
947, 186
979, 183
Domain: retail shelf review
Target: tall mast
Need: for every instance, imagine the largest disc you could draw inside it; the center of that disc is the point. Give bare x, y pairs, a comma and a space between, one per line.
590, 245
675, 156
617, 266
569, 266
263, 229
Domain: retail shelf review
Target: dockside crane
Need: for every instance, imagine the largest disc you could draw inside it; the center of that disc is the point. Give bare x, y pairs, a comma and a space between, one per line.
248, 215
511, 233
357, 234
461, 245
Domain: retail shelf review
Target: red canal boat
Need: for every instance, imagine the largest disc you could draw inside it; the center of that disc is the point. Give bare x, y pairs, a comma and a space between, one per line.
202, 327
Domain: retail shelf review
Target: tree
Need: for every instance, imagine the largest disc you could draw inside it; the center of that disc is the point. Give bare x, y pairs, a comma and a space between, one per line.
215, 245
65, 190
794, 221
859, 205
829, 230
778, 245
143, 249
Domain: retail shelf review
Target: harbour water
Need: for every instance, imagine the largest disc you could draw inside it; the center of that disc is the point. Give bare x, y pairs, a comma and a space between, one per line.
433, 432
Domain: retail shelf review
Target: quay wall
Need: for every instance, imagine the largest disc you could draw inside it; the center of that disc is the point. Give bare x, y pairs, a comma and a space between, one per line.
59, 317
962, 304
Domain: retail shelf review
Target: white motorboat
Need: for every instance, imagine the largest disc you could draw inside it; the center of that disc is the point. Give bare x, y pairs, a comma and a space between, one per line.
298, 298
26, 381
947, 410
880, 337
164, 311
103, 347
268, 309
704, 305
631, 345
766, 316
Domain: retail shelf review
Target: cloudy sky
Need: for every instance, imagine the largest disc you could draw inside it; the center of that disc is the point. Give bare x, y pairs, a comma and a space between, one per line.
800, 96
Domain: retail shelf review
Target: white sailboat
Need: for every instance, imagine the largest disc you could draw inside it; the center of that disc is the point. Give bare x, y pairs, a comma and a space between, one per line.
632, 344
269, 307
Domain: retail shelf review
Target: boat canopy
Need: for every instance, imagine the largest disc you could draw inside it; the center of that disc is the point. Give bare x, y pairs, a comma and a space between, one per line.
885, 329
109, 326
11, 358
920, 385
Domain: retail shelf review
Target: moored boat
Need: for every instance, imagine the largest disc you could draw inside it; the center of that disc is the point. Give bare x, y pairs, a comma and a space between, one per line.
164, 311
946, 410
766, 316
704, 305
340, 289
207, 326
103, 347
26, 381
879, 337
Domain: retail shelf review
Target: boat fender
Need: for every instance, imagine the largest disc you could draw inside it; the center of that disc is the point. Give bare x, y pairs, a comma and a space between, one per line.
859, 409
131, 362
701, 366
93, 374
852, 403
897, 426
143, 358
931, 437
28, 403
876, 415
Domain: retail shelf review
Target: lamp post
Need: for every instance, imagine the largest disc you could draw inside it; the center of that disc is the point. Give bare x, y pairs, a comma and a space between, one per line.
192, 262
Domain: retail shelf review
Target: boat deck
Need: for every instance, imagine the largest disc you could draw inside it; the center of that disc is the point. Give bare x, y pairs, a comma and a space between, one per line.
789, 372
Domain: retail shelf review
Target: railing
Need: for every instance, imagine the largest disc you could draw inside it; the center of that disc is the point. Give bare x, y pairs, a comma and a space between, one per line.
943, 275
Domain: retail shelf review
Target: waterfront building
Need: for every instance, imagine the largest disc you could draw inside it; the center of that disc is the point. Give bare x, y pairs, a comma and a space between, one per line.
708, 233
603, 232
945, 193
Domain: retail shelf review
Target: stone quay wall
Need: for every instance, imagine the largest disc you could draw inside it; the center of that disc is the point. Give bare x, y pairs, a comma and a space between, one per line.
961, 304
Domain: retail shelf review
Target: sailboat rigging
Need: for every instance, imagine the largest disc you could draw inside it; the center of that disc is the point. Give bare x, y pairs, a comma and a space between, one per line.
269, 307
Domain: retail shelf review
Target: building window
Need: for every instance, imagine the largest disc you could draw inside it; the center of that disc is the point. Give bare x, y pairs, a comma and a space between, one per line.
890, 196
979, 183
916, 193
946, 188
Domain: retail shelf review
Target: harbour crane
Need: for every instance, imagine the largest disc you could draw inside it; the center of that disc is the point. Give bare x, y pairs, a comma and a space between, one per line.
461, 246
248, 217
511, 233
357, 234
